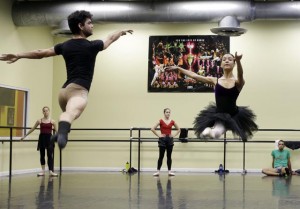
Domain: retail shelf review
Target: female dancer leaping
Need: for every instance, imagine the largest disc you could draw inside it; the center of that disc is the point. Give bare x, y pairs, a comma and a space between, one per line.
214, 120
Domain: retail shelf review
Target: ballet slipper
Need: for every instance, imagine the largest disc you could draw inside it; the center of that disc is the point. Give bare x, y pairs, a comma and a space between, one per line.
156, 174
52, 174
41, 174
171, 173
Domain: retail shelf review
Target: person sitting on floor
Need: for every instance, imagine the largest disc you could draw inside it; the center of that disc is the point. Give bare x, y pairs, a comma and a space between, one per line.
281, 164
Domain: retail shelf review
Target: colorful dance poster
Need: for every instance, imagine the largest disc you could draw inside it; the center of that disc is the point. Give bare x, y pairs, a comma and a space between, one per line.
200, 54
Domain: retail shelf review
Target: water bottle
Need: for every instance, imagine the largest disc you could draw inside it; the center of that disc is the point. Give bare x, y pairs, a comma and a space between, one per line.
221, 169
127, 166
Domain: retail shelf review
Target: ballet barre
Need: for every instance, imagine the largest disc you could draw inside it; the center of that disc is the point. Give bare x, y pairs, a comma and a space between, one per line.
131, 139
140, 139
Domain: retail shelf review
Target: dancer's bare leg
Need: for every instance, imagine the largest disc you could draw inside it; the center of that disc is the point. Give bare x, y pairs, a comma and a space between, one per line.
72, 100
273, 171
74, 108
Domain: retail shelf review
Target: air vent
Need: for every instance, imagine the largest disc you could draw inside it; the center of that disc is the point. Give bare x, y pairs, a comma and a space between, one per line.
229, 26
62, 30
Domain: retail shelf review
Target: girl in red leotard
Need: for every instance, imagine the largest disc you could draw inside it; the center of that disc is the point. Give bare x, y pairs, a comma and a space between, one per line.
165, 142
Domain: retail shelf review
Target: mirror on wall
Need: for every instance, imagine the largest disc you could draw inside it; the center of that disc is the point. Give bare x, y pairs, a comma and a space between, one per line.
13, 111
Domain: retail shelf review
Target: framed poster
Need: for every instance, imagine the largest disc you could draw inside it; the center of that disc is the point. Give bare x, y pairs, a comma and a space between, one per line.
201, 54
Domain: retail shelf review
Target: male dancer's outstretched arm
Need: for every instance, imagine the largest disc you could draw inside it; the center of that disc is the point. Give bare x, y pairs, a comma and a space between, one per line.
35, 54
115, 36
42, 53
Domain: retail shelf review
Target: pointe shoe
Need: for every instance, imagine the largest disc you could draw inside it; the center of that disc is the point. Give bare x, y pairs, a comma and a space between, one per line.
156, 174
62, 140
171, 174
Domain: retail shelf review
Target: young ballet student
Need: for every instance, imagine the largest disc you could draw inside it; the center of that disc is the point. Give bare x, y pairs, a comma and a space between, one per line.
165, 141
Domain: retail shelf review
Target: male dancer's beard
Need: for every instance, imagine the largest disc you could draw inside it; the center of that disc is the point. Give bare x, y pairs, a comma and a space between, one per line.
87, 33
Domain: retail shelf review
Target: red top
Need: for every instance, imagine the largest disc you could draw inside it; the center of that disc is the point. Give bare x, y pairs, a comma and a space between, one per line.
166, 128
46, 128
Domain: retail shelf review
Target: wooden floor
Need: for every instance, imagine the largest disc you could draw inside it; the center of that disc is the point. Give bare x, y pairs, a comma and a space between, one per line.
84, 190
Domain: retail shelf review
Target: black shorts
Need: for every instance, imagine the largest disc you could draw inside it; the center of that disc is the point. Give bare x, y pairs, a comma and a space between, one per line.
165, 141
44, 141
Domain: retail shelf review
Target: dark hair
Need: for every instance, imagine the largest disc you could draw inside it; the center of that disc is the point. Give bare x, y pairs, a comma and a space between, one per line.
77, 17
231, 55
45, 107
281, 141
166, 109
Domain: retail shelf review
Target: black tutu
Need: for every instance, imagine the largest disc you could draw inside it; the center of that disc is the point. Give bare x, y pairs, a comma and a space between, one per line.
241, 124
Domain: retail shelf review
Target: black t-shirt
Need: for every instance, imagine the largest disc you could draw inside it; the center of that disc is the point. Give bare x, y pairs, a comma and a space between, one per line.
80, 56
